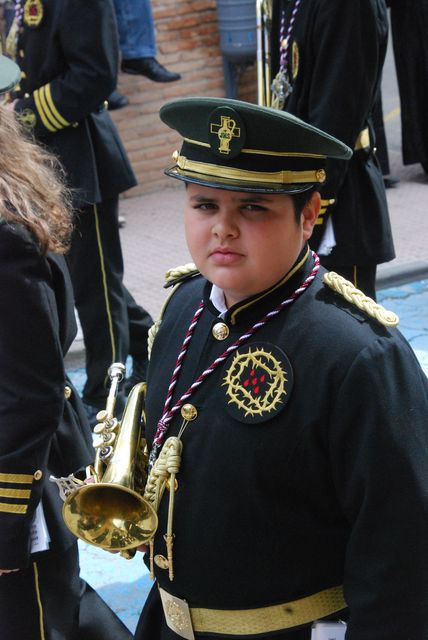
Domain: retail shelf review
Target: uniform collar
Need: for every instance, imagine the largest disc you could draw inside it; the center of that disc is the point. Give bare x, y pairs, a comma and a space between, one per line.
261, 303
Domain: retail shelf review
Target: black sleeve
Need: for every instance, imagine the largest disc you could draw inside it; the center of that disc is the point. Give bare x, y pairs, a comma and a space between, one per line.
379, 448
88, 41
346, 67
31, 388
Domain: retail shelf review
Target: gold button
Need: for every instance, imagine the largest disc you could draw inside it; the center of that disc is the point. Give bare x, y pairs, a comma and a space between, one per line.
220, 331
189, 412
23, 75
38, 474
168, 484
67, 392
320, 175
161, 561
21, 53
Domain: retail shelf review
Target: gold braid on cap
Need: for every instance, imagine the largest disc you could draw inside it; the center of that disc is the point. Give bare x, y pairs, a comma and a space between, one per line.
172, 276
360, 300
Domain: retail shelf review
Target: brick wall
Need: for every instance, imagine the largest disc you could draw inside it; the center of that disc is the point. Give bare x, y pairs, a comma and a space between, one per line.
187, 42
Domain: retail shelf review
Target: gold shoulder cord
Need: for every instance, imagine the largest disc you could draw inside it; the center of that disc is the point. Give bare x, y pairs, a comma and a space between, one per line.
171, 276
360, 300
179, 272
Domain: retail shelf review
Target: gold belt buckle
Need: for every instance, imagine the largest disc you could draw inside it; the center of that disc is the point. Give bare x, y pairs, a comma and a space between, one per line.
177, 615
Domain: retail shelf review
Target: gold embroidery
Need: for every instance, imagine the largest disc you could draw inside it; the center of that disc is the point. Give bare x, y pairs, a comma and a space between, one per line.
225, 132
255, 382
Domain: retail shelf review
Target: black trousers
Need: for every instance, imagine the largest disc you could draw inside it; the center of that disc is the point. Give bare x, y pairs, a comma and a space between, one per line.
49, 601
152, 625
113, 324
364, 278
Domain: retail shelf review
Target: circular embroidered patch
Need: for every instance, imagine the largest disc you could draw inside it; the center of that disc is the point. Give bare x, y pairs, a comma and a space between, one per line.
226, 132
258, 383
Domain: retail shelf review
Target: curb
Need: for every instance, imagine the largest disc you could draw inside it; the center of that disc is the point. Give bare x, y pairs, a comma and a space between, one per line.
396, 275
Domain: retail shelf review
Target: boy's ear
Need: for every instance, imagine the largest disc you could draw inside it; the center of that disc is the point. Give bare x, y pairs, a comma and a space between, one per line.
310, 214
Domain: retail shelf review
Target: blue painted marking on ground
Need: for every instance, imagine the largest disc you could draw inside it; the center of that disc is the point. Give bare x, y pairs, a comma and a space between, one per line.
124, 584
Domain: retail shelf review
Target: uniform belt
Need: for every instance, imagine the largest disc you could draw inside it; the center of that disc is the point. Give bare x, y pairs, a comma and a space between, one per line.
244, 622
363, 140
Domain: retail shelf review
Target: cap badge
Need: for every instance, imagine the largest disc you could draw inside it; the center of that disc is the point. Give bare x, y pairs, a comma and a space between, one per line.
258, 383
226, 132
33, 13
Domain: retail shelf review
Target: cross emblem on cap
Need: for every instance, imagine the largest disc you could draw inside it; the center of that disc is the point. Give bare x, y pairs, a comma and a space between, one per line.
225, 131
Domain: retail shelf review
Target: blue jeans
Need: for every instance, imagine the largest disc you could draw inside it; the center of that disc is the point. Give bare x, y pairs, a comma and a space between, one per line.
136, 28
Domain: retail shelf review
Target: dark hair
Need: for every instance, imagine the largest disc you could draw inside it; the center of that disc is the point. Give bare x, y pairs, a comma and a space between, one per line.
300, 200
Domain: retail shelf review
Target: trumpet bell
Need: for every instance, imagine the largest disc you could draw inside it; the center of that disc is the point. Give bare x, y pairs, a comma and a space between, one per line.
110, 516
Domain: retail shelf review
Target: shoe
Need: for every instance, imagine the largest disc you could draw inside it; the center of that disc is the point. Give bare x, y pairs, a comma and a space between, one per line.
390, 181
425, 166
149, 67
116, 100
139, 374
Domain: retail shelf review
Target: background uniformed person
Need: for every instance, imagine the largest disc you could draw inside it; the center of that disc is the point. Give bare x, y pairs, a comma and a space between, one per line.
68, 54
286, 421
409, 27
327, 59
43, 427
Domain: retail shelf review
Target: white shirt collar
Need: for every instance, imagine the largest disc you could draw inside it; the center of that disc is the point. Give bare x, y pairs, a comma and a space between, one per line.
217, 298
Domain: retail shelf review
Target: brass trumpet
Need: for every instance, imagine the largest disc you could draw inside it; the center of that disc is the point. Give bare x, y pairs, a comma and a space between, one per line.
110, 511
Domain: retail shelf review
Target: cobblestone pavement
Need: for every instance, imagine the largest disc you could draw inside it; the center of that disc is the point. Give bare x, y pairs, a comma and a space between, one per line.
124, 584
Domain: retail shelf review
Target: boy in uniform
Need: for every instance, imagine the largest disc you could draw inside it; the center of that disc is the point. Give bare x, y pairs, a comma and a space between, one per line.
285, 415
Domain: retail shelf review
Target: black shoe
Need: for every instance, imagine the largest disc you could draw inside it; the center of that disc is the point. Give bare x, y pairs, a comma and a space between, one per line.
390, 181
425, 166
149, 67
117, 101
139, 374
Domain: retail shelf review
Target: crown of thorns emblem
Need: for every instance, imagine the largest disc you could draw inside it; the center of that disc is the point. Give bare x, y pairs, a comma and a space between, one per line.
255, 382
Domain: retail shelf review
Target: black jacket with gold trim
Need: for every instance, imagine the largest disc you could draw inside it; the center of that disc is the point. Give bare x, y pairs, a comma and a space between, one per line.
68, 53
41, 432
335, 58
306, 466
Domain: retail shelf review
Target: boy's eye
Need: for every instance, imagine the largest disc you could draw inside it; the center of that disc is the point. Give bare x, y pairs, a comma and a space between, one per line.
253, 207
205, 206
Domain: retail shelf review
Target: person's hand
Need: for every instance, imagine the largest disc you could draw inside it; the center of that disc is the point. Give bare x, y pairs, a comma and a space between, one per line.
5, 571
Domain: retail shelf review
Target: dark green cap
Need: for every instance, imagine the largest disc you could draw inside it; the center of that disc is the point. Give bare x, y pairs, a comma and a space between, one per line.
9, 74
241, 146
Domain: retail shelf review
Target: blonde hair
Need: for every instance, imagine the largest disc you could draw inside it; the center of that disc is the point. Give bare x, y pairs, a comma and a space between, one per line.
32, 190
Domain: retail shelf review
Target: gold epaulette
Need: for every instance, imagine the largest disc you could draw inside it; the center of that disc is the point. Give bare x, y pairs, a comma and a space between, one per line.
360, 300
173, 276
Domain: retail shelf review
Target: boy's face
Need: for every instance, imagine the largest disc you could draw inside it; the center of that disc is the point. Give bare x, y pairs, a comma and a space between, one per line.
245, 242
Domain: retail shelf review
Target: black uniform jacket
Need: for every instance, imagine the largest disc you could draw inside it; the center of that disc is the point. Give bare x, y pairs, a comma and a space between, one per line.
69, 63
41, 432
307, 465
335, 59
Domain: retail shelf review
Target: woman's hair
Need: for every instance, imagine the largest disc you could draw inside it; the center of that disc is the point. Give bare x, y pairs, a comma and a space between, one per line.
32, 190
